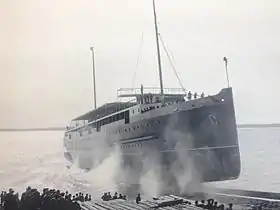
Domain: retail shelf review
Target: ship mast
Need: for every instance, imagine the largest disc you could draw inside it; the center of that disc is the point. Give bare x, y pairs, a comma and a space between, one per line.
158, 49
93, 75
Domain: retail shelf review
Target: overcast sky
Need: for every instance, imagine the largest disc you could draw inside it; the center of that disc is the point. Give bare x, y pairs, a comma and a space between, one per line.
46, 75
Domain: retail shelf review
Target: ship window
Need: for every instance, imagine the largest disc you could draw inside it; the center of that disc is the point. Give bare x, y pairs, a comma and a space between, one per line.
69, 136
125, 130
133, 111
138, 126
138, 110
157, 107
81, 133
129, 129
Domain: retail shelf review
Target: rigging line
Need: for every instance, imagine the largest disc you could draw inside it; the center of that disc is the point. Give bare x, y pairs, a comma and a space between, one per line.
138, 58
172, 64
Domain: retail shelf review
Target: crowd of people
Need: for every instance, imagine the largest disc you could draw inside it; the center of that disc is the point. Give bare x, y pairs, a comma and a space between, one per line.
212, 205
32, 199
107, 196
53, 199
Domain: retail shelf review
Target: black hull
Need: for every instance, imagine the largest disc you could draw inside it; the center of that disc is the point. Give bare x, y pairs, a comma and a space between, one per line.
203, 137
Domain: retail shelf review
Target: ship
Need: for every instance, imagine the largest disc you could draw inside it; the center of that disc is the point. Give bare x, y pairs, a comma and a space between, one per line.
167, 128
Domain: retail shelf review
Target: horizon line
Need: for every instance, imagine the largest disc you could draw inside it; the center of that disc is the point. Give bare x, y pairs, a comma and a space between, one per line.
60, 128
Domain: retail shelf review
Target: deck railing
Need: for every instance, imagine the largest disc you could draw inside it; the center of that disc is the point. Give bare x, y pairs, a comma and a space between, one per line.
125, 92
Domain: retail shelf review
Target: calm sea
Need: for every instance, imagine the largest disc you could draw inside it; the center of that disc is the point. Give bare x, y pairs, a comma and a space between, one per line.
36, 159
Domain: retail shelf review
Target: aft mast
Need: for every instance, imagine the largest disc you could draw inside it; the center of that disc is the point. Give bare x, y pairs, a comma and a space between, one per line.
158, 50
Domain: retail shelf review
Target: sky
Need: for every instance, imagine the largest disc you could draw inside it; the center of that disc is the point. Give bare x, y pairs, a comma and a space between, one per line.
46, 67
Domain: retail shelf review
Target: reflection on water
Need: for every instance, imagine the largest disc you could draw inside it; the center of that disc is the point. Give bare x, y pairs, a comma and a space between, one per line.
36, 159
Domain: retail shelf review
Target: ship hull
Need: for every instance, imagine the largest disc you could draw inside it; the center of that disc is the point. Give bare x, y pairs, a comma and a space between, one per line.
200, 142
